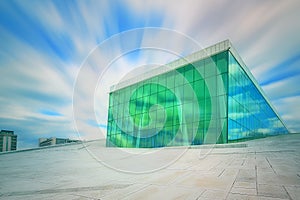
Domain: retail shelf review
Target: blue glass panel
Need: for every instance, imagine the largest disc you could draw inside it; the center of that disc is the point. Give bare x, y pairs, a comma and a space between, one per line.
249, 114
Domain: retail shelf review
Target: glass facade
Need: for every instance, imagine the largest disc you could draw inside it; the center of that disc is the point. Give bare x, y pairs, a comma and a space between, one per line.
209, 100
249, 114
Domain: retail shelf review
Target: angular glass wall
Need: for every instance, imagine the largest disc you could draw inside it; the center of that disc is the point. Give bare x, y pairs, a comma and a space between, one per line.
211, 100
185, 106
249, 114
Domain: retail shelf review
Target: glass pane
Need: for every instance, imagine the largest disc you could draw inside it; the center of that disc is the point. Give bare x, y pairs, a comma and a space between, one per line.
250, 115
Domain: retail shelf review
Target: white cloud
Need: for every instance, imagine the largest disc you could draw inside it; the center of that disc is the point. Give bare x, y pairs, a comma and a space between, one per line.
289, 110
34, 76
283, 88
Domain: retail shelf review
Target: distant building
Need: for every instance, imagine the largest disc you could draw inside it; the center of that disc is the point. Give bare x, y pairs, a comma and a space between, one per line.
8, 141
54, 141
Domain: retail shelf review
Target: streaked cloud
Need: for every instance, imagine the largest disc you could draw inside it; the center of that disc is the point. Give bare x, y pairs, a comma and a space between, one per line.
45, 43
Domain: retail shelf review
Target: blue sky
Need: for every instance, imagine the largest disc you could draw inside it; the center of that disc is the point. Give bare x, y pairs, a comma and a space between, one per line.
45, 43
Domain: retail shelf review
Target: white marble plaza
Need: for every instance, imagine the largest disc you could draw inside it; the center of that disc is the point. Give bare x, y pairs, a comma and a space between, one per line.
266, 168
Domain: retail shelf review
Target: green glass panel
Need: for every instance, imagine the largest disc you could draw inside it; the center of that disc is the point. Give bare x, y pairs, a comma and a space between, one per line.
175, 106
212, 90
189, 73
189, 93
210, 67
221, 84
162, 79
146, 91
222, 62
198, 73
200, 65
154, 88
200, 89
139, 92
